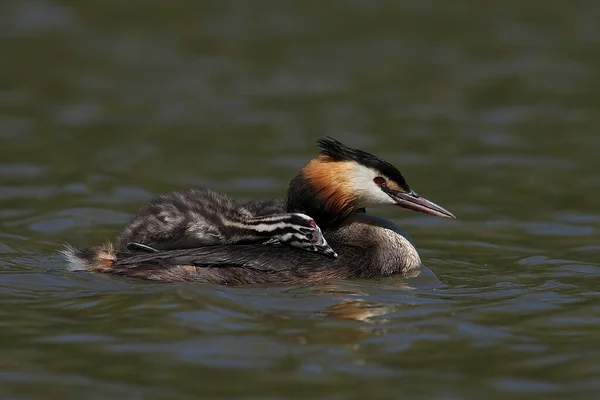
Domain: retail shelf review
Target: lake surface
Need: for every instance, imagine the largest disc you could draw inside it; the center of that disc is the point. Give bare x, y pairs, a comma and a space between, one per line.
490, 109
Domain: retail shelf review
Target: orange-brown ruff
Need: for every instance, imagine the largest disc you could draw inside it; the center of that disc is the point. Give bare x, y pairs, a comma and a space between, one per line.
334, 188
327, 177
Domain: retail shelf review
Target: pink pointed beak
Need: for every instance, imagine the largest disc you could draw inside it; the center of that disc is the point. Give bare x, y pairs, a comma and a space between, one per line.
413, 201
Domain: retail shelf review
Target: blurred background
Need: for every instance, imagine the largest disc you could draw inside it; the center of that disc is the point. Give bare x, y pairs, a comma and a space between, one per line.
490, 109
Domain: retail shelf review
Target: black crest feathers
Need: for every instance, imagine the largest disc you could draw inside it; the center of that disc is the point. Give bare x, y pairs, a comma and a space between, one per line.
338, 151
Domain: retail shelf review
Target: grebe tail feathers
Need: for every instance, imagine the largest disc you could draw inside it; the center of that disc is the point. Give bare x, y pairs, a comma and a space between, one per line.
95, 259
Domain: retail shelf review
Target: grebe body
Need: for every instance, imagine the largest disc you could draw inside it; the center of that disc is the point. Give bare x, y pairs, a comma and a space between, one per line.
357, 241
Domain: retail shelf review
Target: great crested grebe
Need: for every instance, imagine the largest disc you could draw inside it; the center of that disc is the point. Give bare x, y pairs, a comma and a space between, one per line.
334, 189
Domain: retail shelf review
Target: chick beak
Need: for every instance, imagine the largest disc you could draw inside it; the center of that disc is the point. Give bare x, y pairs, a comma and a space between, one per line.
413, 201
321, 245
328, 251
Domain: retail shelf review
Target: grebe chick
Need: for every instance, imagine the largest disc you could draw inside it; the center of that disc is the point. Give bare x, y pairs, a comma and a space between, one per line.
202, 217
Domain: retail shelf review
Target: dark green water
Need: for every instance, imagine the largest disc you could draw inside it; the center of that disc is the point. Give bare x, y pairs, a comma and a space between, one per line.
489, 108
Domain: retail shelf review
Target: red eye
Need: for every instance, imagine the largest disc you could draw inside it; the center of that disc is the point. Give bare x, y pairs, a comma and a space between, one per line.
379, 180
313, 223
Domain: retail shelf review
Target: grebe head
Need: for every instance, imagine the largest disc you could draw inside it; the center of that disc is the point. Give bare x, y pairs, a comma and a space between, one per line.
343, 180
298, 230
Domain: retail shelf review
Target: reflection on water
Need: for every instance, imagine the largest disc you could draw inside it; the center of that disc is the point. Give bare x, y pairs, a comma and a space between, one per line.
488, 109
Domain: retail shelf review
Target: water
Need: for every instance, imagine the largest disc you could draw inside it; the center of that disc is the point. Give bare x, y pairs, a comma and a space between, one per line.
489, 110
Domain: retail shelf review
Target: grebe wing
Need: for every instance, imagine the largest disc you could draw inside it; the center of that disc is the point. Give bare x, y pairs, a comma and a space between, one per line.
274, 258
187, 242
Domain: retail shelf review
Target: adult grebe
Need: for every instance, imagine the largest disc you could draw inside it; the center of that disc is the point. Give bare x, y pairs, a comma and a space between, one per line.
335, 188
